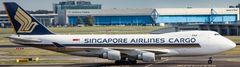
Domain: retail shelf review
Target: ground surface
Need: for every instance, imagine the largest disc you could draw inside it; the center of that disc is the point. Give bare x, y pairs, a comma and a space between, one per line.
73, 61
8, 55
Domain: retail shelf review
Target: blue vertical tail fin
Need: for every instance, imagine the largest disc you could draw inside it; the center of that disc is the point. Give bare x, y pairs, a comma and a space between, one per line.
23, 22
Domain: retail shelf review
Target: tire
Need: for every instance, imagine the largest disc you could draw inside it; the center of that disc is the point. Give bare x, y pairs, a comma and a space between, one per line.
125, 62
134, 62
210, 61
117, 62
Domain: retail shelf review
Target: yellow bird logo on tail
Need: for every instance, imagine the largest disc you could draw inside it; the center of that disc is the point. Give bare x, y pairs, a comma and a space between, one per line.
27, 25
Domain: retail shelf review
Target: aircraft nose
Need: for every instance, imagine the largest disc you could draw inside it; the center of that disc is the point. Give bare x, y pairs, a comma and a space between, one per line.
230, 44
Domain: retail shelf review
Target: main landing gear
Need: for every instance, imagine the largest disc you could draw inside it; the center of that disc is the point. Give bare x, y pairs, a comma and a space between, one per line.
126, 61
210, 60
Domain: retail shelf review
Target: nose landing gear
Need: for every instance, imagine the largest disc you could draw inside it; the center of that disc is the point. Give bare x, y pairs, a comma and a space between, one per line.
210, 60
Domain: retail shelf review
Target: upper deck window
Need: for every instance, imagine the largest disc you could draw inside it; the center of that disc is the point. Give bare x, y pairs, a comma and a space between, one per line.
194, 35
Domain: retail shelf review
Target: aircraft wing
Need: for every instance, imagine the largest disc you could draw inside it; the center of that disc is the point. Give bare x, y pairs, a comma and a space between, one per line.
124, 50
115, 53
156, 51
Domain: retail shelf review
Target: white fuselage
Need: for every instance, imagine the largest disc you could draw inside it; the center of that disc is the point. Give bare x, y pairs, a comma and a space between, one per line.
124, 49
188, 43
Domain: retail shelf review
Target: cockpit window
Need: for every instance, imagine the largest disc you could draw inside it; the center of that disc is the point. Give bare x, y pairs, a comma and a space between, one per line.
216, 34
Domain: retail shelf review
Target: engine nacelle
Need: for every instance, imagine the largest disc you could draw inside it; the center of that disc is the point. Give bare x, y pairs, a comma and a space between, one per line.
112, 55
147, 57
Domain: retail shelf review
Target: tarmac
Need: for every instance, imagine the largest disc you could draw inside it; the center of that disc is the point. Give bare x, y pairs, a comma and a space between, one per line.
218, 61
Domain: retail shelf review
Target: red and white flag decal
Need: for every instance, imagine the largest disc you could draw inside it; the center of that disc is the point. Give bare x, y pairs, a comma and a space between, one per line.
76, 39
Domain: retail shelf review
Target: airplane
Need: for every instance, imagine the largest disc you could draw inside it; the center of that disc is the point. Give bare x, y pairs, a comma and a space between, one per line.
121, 48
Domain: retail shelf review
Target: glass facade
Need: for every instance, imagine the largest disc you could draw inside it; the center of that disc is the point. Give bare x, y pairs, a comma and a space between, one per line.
224, 31
233, 32
196, 18
238, 30
144, 20
111, 20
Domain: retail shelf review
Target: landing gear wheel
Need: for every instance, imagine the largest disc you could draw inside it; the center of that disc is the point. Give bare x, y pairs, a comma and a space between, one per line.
122, 62
125, 61
210, 60
118, 62
132, 61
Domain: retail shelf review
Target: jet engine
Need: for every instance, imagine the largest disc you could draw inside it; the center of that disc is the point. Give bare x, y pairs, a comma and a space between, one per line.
112, 55
146, 57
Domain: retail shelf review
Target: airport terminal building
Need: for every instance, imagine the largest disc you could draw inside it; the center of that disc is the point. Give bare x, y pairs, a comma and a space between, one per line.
142, 17
108, 16
74, 13
57, 7
198, 15
148, 16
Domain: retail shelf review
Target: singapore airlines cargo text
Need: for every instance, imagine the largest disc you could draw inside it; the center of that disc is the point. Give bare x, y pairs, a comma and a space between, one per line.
139, 40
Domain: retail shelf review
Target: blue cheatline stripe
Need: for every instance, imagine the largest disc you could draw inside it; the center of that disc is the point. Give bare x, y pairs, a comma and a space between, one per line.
118, 45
